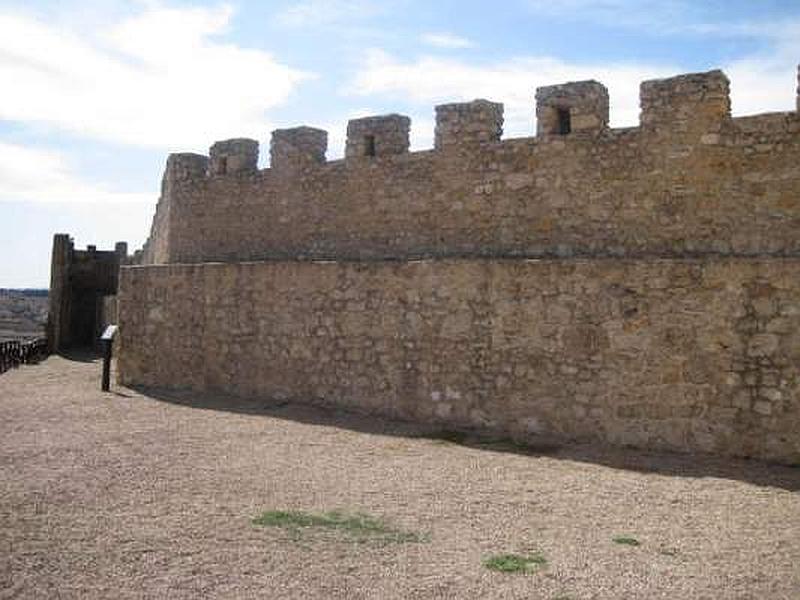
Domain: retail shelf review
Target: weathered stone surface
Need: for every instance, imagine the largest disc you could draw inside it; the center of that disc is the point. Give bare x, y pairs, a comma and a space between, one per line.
377, 136
547, 346
229, 157
296, 150
647, 191
464, 124
583, 103
763, 344
663, 310
82, 288
695, 103
181, 170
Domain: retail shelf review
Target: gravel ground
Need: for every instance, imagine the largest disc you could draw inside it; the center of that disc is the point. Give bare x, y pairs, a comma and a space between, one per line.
128, 495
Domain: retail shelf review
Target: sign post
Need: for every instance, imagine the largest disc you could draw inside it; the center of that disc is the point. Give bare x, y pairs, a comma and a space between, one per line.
107, 342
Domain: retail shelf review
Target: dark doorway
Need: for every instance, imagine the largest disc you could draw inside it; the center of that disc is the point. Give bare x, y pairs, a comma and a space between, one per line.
83, 315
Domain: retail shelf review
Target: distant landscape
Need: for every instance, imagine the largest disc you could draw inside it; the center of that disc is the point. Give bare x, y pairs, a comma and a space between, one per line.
23, 313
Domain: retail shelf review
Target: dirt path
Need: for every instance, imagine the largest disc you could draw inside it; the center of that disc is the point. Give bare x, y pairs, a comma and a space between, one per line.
133, 496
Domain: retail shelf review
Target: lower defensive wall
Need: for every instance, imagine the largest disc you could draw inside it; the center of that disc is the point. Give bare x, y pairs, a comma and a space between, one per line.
688, 355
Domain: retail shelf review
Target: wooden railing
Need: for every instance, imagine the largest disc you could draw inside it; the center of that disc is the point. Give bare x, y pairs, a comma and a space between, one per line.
21, 352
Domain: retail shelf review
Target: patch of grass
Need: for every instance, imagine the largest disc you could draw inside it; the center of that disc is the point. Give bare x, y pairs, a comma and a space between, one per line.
514, 563
626, 541
359, 526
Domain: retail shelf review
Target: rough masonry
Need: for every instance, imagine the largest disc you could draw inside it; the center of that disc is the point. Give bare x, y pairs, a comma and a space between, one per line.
81, 285
635, 286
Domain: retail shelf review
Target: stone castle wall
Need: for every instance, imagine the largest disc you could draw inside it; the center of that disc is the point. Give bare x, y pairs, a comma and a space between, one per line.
689, 181
180, 168
79, 281
689, 355
637, 286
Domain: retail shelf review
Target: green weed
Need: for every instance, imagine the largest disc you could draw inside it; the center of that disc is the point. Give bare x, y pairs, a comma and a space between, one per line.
514, 563
359, 526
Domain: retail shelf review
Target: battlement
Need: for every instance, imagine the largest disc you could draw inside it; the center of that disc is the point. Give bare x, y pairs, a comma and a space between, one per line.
186, 165
697, 102
78, 281
691, 179
580, 106
638, 285
297, 148
229, 157
377, 136
467, 123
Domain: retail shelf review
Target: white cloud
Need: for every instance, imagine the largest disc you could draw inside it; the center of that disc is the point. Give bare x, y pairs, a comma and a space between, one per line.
157, 79
431, 80
766, 81
446, 40
34, 175
759, 83
311, 13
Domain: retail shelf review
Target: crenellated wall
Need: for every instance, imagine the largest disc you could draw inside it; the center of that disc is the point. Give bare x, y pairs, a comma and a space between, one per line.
636, 286
690, 181
181, 169
79, 281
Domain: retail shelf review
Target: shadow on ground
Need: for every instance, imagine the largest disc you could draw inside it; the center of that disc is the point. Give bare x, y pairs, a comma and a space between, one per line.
80, 354
754, 472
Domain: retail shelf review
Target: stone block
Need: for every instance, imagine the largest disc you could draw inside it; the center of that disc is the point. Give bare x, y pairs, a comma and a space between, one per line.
763, 344
185, 166
377, 136
229, 157
580, 106
298, 148
467, 124
763, 408
695, 102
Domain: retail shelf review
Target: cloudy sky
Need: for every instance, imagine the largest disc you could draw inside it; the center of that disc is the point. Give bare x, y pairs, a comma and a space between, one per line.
95, 93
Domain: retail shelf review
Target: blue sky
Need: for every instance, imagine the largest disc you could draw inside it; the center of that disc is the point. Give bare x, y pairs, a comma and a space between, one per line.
94, 94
